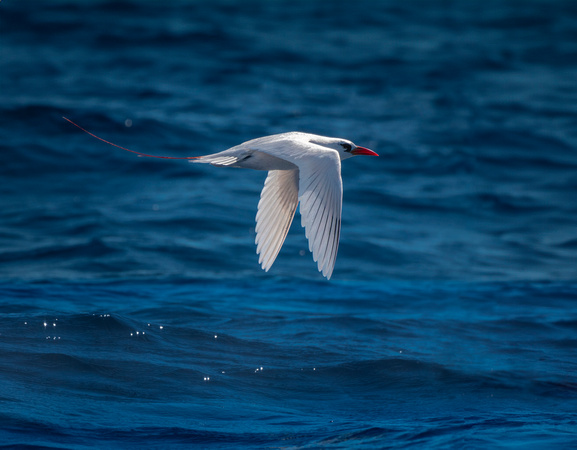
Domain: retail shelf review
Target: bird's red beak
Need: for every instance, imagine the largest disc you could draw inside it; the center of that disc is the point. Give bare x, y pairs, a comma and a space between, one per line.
363, 151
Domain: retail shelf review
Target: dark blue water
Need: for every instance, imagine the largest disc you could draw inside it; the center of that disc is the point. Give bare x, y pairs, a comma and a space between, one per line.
133, 313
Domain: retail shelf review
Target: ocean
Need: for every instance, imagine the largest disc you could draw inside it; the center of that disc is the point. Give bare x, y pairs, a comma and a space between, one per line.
133, 310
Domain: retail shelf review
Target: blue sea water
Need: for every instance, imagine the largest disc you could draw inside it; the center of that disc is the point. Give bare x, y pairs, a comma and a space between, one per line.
133, 312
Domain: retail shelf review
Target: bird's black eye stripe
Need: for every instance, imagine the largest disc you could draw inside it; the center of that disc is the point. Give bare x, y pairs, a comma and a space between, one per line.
347, 147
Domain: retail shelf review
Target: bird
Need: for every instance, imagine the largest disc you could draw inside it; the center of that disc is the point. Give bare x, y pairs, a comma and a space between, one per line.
303, 169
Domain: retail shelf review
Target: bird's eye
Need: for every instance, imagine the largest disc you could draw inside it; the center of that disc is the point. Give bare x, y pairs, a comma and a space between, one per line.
347, 147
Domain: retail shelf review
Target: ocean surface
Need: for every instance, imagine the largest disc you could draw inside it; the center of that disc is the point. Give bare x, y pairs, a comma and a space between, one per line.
133, 311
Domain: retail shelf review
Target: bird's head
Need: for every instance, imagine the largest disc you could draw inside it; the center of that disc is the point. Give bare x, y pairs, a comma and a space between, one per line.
345, 148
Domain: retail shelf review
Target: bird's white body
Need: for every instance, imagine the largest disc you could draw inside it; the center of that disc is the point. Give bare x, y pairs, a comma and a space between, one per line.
303, 168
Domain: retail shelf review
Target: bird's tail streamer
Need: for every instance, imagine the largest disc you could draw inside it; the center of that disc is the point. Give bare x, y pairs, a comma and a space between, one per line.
127, 149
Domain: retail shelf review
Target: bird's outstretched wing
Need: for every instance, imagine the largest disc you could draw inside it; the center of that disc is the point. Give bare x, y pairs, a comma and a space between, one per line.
276, 209
320, 193
321, 197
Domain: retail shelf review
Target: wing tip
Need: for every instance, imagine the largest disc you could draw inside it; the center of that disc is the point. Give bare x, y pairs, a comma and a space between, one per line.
327, 271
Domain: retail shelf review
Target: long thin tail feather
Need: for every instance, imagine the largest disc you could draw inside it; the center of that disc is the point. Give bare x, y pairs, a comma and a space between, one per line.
128, 150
